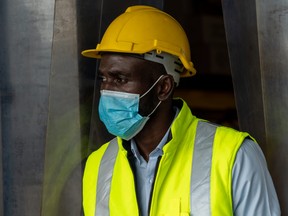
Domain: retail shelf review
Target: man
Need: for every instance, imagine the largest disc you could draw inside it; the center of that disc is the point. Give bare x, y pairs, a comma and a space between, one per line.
165, 161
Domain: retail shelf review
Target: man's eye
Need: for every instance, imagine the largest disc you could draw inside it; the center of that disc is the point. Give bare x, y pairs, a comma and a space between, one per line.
101, 78
120, 80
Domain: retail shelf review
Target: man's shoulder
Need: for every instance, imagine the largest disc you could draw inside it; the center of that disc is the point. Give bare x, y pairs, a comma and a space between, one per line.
97, 154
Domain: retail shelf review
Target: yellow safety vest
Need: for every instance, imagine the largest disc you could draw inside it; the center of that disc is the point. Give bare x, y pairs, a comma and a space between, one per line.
194, 176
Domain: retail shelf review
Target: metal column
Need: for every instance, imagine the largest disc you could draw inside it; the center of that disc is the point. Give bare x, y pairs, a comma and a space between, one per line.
258, 47
25, 39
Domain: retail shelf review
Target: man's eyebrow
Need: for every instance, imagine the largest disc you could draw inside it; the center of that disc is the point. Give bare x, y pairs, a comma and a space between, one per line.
110, 72
119, 73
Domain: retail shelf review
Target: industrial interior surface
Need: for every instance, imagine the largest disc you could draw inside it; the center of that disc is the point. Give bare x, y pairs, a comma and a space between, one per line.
48, 91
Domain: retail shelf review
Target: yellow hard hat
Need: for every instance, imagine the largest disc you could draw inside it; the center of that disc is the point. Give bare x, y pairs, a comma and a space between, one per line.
142, 29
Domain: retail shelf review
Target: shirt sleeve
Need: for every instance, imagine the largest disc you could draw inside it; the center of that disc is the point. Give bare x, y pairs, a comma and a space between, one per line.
253, 189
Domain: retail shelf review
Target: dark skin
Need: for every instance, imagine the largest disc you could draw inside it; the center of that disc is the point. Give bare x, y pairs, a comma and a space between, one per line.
129, 74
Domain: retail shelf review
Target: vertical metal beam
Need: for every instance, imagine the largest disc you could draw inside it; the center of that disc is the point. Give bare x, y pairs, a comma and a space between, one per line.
2, 68
25, 68
272, 19
258, 48
63, 149
1, 166
242, 39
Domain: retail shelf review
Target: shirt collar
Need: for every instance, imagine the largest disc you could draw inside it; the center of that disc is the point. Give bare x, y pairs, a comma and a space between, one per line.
158, 150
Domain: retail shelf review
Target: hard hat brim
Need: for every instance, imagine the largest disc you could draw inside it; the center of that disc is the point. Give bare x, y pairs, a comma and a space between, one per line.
91, 53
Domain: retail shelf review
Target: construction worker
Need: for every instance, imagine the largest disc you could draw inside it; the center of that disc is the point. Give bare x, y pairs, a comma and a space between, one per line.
165, 161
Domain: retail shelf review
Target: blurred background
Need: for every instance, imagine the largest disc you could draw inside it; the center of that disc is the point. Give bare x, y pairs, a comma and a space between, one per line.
48, 93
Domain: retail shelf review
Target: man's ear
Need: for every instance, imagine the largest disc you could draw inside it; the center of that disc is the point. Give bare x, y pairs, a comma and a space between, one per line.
166, 87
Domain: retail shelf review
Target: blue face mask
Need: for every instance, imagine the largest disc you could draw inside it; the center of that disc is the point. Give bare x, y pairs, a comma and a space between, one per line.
119, 112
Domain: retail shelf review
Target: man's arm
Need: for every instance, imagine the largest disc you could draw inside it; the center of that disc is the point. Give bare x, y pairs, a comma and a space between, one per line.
253, 190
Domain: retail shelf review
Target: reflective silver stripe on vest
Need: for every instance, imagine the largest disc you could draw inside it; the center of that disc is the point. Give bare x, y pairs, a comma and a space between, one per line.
105, 178
201, 169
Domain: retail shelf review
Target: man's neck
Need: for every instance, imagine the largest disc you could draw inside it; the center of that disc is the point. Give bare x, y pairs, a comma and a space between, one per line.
151, 135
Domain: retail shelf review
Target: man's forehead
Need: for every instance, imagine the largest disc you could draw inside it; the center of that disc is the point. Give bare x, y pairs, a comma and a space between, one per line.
125, 61
117, 63
134, 55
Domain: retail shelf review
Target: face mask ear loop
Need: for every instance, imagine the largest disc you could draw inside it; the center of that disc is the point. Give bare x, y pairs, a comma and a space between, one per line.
154, 109
151, 88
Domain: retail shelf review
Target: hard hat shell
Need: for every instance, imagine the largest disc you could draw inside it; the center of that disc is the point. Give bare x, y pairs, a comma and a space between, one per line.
142, 29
